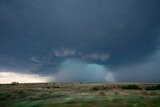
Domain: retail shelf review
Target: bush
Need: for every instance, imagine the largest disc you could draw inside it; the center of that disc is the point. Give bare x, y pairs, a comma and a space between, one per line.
102, 93
100, 87
133, 86
157, 87
95, 88
14, 83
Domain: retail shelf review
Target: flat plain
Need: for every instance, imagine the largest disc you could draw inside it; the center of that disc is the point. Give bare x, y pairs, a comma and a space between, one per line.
80, 94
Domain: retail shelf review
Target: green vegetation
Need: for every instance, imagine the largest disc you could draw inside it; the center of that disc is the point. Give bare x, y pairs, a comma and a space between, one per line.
79, 95
157, 87
131, 86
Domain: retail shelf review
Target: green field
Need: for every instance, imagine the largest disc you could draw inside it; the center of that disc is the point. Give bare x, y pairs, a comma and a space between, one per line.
80, 95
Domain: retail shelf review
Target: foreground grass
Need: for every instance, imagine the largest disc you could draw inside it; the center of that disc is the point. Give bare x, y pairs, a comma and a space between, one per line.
87, 102
79, 95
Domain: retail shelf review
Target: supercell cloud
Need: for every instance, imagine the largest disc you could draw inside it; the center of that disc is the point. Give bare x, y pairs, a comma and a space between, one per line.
81, 40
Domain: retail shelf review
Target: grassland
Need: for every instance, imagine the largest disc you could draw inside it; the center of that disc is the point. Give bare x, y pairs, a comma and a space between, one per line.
80, 95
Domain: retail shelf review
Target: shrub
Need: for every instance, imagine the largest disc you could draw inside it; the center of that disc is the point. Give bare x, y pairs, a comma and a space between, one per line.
133, 86
56, 87
100, 87
144, 92
14, 83
102, 93
157, 87
49, 86
95, 88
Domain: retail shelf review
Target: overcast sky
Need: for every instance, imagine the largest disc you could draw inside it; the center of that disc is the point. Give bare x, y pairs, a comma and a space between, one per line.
81, 40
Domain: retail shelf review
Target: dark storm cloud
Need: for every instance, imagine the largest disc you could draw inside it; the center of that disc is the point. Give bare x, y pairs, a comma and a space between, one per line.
144, 72
40, 35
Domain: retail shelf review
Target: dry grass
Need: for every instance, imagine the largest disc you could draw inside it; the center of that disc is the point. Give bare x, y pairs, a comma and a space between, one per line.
79, 94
